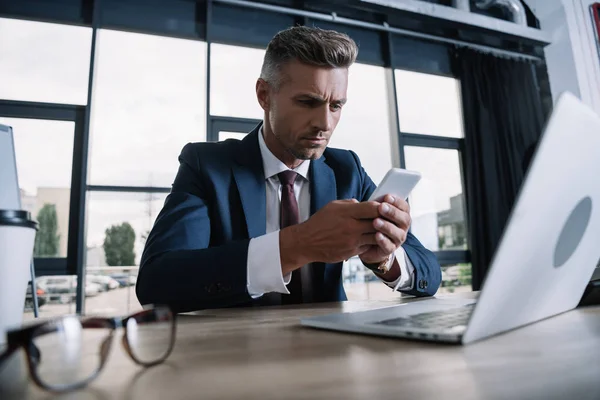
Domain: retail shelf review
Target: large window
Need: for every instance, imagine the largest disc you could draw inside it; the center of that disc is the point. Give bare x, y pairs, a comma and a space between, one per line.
431, 132
428, 104
233, 74
149, 101
44, 153
44, 62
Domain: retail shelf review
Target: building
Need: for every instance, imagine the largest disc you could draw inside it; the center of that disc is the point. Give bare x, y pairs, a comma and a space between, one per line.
452, 232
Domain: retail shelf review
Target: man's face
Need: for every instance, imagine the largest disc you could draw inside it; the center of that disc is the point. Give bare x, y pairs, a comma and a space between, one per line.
303, 113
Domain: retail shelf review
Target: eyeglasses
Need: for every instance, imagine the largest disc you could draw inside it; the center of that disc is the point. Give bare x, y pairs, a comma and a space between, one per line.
68, 352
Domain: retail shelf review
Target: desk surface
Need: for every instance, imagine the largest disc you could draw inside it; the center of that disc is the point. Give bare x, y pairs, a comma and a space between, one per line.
265, 353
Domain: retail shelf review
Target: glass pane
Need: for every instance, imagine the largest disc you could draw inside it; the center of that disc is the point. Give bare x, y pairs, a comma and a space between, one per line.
223, 135
108, 289
44, 62
437, 203
233, 74
44, 153
149, 101
429, 104
364, 126
456, 279
360, 283
117, 227
56, 296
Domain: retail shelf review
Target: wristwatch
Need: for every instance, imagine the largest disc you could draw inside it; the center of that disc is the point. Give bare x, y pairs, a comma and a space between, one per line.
380, 267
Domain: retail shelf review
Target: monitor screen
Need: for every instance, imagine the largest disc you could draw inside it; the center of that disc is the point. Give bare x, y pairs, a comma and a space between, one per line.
9, 195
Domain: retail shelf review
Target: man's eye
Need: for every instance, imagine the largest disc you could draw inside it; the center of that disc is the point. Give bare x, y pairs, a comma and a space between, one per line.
336, 107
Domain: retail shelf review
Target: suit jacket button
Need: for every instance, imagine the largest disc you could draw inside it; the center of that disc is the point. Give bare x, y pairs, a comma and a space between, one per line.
421, 284
425, 284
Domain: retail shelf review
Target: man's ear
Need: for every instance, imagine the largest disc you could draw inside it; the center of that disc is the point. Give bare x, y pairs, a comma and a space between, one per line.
263, 93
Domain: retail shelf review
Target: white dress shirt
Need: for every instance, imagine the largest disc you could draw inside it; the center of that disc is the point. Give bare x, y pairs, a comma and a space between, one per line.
264, 261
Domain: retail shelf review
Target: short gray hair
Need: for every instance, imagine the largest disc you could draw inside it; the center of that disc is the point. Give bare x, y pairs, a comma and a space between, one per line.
308, 45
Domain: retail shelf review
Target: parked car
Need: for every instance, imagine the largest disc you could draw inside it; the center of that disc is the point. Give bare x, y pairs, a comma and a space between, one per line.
106, 282
41, 296
63, 288
124, 279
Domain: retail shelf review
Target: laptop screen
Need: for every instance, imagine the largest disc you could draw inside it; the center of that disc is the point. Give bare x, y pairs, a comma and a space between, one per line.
596, 274
9, 195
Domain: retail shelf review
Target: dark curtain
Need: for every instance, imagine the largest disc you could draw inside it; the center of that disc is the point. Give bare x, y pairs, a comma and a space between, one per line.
503, 120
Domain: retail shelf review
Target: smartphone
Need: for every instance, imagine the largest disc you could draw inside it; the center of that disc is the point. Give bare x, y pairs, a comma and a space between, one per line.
397, 182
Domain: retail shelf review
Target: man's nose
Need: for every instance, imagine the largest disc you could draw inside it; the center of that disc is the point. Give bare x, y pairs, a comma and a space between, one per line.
323, 119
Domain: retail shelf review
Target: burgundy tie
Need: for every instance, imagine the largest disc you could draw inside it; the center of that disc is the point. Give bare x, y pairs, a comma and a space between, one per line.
290, 216
289, 205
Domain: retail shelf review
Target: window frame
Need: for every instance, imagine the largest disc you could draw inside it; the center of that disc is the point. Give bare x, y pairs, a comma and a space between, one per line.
58, 112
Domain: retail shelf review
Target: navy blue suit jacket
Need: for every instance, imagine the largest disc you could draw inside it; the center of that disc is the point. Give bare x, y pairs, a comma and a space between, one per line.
196, 254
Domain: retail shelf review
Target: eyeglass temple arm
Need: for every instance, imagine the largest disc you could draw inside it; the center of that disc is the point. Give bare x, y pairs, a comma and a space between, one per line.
5, 355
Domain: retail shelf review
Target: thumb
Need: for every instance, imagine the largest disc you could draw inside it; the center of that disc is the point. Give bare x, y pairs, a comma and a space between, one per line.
348, 201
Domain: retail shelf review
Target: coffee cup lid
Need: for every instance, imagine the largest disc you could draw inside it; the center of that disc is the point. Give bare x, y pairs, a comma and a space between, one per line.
17, 218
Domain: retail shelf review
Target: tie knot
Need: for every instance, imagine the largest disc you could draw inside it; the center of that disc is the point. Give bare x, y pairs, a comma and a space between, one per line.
287, 177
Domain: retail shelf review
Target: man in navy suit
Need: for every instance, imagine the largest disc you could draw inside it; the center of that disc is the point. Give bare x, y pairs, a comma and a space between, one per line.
270, 219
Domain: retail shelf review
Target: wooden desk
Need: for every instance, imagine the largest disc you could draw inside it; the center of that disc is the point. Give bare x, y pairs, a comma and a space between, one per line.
265, 353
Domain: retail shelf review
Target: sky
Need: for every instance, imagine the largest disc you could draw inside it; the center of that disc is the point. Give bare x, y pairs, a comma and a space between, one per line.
148, 102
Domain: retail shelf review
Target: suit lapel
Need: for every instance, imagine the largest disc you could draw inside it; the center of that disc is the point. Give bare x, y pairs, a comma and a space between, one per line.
250, 180
322, 185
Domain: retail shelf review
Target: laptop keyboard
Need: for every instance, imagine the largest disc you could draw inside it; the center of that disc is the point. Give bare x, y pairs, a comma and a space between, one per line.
434, 319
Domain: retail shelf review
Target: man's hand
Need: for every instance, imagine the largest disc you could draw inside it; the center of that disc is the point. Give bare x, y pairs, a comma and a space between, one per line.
392, 227
338, 231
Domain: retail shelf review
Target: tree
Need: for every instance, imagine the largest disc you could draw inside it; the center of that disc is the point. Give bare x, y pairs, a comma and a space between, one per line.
118, 245
47, 239
465, 274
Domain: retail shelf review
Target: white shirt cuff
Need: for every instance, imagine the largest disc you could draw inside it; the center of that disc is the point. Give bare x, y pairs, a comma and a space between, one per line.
264, 266
407, 271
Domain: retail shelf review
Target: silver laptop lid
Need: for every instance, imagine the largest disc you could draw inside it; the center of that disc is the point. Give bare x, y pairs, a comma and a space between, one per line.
549, 248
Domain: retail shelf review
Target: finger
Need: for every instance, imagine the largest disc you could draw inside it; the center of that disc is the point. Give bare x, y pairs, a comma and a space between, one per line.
365, 210
397, 202
349, 201
384, 243
368, 239
365, 226
394, 233
398, 217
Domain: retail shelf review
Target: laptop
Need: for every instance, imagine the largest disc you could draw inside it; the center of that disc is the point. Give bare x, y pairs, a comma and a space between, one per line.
546, 256
9, 195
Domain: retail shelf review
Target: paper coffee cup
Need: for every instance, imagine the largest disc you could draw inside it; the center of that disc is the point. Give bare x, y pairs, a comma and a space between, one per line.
17, 237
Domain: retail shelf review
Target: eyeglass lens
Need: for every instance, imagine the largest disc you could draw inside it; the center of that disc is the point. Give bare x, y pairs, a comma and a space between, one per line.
69, 354
150, 335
